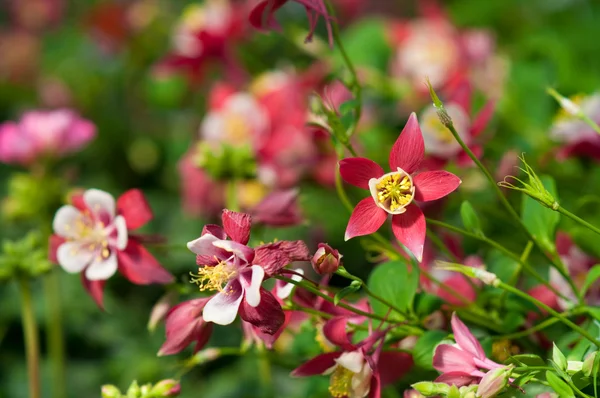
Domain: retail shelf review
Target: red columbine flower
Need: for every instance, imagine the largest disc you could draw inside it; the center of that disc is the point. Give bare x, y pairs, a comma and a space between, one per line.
185, 325
395, 192
92, 236
237, 271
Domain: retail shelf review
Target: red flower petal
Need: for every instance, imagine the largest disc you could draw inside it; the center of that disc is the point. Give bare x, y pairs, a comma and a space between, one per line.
274, 256
140, 267
183, 326
317, 365
409, 149
261, 16
409, 228
358, 171
483, 118
214, 230
237, 226
366, 218
53, 242
132, 205
268, 316
461, 96
94, 289
335, 331
465, 339
432, 185
392, 366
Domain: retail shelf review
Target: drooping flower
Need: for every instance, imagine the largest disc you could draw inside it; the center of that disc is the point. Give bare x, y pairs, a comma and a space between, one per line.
463, 363
44, 133
395, 192
237, 271
184, 326
92, 237
262, 16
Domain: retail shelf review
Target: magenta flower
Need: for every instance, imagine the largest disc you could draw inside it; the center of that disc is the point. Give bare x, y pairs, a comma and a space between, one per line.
185, 325
395, 192
92, 237
461, 364
43, 133
237, 271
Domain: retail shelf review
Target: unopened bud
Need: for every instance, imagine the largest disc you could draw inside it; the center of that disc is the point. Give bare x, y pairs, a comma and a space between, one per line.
431, 389
110, 391
134, 390
326, 259
588, 364
439, 107
485, 276
494, 381
166, 388
412, 394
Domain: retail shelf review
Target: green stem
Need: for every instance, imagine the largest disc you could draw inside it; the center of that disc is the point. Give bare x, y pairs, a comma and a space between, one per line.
264, 372
575, 218
56, 345
32, 345
540, 326
551, 311
577, 390
528, 268
514, 279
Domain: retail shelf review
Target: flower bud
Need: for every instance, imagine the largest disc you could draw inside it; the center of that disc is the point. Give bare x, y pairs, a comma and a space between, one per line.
494, 381
166, 388
431, 389
588, 364
412, 394
110, 391
326, 259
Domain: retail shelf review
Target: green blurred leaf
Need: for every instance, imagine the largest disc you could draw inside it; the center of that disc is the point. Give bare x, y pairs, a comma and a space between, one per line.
526, 359
366, 44
425, 346
469, 218
541, 221
591, 277
394, 283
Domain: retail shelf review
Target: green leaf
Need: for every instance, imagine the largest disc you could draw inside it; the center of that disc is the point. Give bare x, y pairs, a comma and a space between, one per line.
366, 44
425, 346
469, 218
595, 369
526, 360
541, 221
591, 277
559, 386
427, 304
393, 282
352, 288
558, 357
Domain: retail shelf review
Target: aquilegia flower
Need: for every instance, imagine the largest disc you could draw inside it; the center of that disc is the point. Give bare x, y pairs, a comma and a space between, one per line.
185, 325
395, 192
237, 271
92, 236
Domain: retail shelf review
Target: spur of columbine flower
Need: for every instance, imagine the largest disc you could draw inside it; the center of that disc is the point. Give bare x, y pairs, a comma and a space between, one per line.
92, 237
395, 192
357, 370
463, 363
237, 271
185, 325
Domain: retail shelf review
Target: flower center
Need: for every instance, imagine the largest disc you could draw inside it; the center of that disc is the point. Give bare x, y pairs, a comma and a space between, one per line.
214, 277
340, 384
92, 234
394, 191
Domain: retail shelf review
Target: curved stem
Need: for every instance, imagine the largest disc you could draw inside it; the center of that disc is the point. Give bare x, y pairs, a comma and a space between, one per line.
514, 279
551, 311
575, 218
32, 344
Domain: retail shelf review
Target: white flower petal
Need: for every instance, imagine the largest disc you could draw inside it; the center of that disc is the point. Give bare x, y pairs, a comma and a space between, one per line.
102, 269
361, 382
353, 361
253, 291
203, 245
64, 221
223, 307
121, 227
99, 202
73, 256
284, 291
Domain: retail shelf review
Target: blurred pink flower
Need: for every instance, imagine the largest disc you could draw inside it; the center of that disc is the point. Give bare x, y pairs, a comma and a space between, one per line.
200, 194
35, 15
278, 209
44, 133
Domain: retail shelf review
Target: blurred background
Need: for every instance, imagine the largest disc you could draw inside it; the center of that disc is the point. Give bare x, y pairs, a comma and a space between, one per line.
127, 67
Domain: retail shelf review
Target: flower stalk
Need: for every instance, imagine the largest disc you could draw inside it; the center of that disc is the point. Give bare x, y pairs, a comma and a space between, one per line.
32, 344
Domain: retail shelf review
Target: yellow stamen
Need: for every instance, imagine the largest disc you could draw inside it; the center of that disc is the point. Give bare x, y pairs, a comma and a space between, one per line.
504, 349
394, 191
341, 382
214, 278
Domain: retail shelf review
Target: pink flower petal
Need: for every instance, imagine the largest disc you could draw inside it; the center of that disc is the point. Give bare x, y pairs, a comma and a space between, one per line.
268, 316
214, 230
237, 226
458, 379
335, 331
392, 366
432, 185
409, 149
183, 323
139, 266
465, 339
223, 307
483, 118
53, 243
132, 205
448, 358
358, 171
259, 20
317, 365
94, 289
409, 228
366, 218
242, 253
461, 96
274, 256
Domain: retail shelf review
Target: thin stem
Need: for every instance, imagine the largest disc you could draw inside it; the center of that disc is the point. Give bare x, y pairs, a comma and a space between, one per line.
32, 344
551, 311
264, 371
56, 344
528, 268
540, 326
575, 218
577, 390
514, 279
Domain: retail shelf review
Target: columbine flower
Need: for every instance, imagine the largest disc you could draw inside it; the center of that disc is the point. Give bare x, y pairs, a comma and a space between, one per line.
262, 15
185, 325
43, 133
394, 193
461, 364
91, 236
237, 271
326, 259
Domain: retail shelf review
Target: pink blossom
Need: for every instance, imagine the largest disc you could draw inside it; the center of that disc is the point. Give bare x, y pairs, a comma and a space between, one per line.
394, 193
278, 209
44, 133
185, 325
92, 237
200, 194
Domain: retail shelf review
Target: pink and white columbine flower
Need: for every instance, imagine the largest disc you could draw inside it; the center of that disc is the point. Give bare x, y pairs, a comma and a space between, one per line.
395, 192
92, 237
237, 271
44, 133
463, 363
